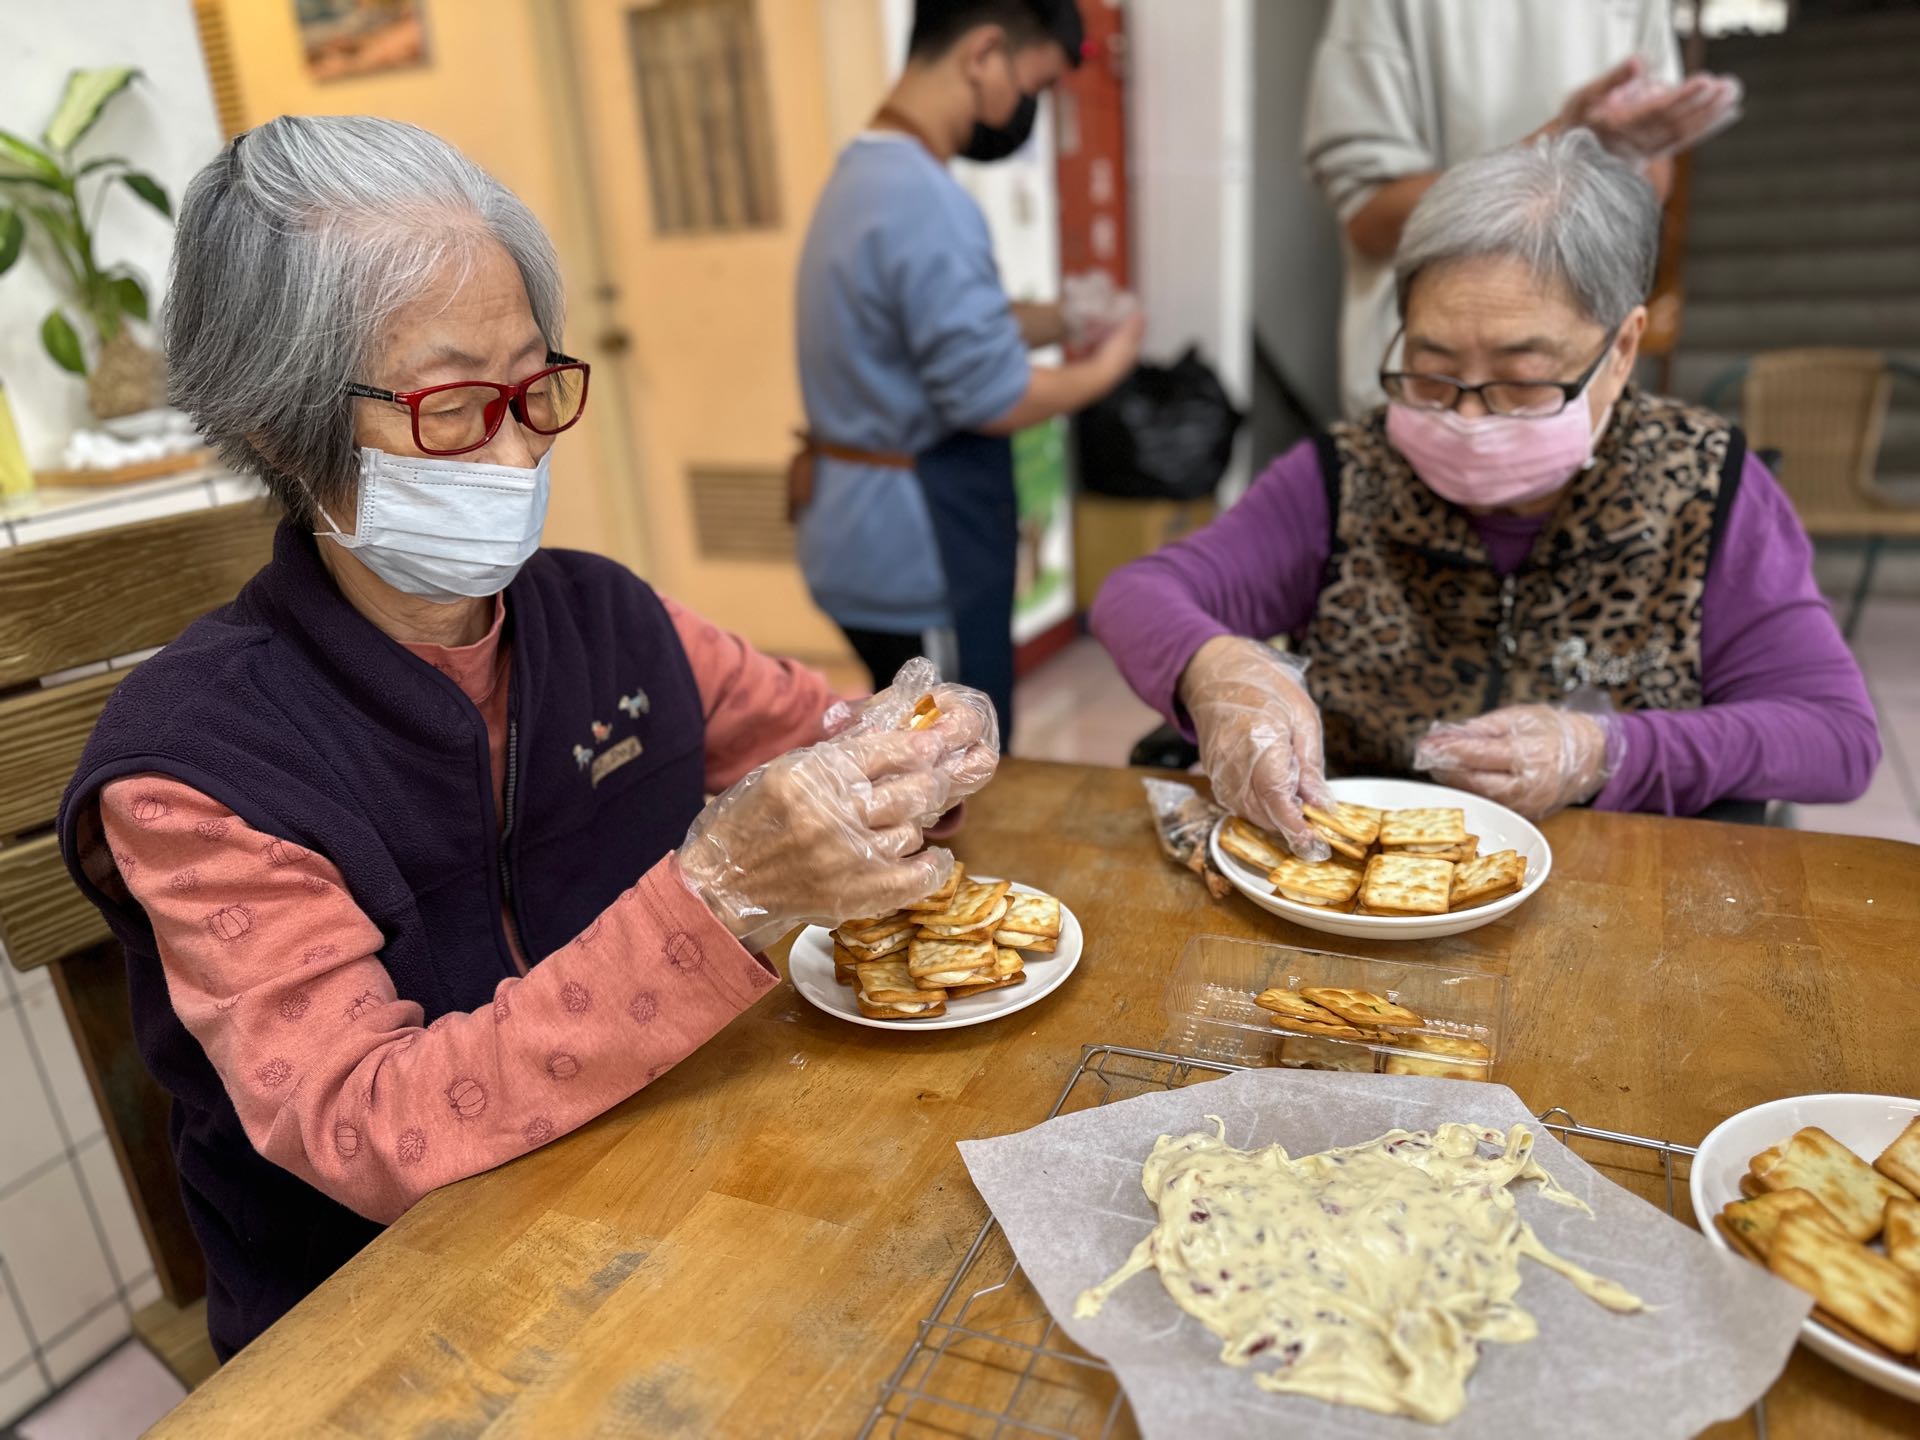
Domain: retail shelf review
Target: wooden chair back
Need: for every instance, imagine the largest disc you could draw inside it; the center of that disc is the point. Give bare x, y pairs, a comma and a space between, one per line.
1824, 409
71, 605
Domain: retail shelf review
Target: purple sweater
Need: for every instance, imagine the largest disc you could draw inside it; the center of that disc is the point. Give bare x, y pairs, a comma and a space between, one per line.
1786, 713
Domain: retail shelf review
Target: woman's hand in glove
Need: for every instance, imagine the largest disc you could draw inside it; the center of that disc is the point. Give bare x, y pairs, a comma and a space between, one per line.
1535, 759
1259, 734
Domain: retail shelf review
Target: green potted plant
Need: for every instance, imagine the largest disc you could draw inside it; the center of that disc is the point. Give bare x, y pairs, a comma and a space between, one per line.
45, 188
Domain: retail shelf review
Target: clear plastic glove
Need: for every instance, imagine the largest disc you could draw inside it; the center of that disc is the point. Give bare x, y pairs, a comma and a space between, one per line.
1642, 119
1645, 120
968, 728
1535, 759
822, 834
1259, 734
1092, 307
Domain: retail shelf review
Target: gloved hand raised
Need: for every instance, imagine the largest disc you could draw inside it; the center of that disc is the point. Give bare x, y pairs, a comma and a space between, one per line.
1259, 734
1535, 759
835, 830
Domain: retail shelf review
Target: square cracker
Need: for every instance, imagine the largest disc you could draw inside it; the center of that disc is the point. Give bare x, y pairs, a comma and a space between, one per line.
1902, 1235
1863, 1290
887, 981
1751, 1224
1349, 850
1363, 1007
1441, 826
1358, 823
985, 925
1407, 885
880, 950
1433, 1042
1432, 1065
1031, 944
1854, 1191
1032, 915
970, 905
1900, 1161
939, 899
1313, 882
1295, 1007
943, 957
1337, 1030
1486, 879
1251, 845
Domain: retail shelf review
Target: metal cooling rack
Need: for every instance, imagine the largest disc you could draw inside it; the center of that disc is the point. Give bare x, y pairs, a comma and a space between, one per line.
989, 1361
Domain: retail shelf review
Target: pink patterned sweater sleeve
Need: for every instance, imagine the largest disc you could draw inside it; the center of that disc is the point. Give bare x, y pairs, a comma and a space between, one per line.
275, 970
756, 706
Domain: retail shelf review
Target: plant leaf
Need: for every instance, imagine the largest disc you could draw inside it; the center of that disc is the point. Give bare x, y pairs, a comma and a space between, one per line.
101, 163
86, 95
13, 230
29, 158
148, 189
57, 334
131, 295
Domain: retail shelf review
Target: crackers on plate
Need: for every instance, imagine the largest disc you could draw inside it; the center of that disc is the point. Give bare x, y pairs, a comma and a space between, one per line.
1811, 1212
1417, 862
968, 937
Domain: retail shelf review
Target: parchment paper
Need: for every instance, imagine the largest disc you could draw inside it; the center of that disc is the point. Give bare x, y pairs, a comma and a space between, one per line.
1717, 1332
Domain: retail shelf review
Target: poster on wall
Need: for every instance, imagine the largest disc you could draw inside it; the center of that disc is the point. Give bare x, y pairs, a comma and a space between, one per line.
344, 39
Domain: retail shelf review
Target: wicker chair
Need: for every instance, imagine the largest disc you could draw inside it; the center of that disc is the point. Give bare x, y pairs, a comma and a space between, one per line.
1823, 410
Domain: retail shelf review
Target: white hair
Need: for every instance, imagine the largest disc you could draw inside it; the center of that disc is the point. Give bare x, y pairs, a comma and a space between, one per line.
1562, 206
295, 247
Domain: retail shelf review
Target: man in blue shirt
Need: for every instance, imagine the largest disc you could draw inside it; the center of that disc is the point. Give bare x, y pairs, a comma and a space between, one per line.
913, 363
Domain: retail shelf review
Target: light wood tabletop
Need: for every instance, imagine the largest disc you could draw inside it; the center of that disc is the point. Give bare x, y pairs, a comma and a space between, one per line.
746, 1247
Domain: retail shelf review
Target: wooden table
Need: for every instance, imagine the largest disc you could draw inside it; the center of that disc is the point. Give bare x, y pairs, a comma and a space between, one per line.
745, 1247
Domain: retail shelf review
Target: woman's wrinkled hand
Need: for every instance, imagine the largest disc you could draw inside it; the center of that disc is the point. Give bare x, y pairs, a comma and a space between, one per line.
1535, 759
1259, 734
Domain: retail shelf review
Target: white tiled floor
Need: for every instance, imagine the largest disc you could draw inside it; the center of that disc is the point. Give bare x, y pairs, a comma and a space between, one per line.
118, 1399
1077, 708
73, 1263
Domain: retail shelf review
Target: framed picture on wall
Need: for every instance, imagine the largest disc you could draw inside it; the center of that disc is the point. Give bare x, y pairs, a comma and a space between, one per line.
347, 38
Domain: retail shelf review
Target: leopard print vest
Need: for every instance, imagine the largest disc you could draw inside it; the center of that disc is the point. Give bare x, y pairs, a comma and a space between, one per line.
1413, 625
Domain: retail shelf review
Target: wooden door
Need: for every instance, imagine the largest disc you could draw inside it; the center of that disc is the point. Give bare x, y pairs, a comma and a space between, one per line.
708, 139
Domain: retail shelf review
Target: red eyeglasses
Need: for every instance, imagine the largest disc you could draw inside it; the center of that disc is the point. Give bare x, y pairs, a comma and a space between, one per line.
463, 415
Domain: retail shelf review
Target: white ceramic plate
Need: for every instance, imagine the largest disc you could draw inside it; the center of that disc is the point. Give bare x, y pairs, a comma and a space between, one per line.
810, 966
1866, 1125
1498, 828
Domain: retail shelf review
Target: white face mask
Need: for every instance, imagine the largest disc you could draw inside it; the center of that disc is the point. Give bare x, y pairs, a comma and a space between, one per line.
445, 530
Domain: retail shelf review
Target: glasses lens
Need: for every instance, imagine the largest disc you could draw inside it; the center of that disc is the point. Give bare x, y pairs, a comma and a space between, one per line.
457, 418
1531, 401
1425, 392
554, 401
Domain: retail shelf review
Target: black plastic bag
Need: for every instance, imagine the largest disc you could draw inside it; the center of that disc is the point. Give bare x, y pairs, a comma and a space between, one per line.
1164, 433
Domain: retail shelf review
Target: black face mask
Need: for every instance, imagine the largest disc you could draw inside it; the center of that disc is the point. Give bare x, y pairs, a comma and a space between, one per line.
997, 142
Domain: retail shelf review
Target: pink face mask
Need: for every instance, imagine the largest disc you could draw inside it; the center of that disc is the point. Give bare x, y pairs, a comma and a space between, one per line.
1494, 460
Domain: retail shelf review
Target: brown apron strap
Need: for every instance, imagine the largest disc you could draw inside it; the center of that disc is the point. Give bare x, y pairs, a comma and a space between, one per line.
889, 118
810, 449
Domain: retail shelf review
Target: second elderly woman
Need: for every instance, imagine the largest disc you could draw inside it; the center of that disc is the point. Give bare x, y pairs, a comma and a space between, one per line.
1522, 575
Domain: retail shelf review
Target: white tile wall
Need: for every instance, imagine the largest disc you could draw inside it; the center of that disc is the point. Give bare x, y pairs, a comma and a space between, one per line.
73, 1263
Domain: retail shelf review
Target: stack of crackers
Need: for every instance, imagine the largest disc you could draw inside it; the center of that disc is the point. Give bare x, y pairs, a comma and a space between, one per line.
1812, 1212
1384, 862
966, 937
1335, 1012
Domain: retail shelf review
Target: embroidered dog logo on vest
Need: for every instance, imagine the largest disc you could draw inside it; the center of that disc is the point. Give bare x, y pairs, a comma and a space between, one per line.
582, 756
636, 704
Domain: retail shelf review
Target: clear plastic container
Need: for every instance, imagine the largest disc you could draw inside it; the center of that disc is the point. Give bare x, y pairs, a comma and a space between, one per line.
1211, 1014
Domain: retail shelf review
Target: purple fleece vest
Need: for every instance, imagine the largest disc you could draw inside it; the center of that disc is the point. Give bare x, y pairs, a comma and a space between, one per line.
313, 726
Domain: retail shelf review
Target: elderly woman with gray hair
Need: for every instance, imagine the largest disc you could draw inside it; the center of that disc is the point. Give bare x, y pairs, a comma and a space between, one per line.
409, 846
1522, 575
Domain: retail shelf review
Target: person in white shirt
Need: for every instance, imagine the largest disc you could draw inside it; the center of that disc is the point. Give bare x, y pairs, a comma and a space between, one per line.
1404, 89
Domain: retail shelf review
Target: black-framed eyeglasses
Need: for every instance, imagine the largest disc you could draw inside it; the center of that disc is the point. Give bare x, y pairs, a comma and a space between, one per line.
1528, 399
463, 415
